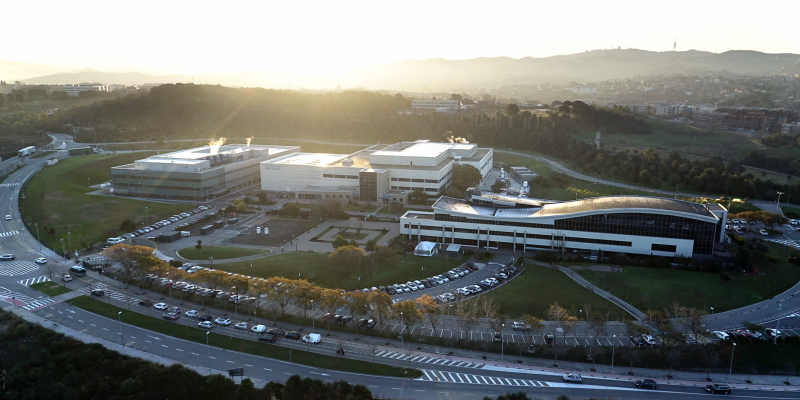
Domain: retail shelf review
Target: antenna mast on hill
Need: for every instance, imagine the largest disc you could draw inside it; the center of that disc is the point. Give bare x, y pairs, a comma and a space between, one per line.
675, 45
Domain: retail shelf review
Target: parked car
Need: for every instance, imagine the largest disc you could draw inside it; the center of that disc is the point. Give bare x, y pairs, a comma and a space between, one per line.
292, 335
763, 232
649, 339
497, 337
646, 384
573, 378
521, 326
205, 325
717, 388
269, 338
722, 335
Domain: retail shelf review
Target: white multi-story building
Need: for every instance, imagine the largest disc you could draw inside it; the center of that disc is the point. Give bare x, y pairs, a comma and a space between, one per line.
74, 90
379, 173
584, 89
634, 225
436, 104
790, 128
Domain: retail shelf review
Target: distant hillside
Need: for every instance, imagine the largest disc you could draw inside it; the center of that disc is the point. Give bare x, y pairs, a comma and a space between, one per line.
11, 71
438, 73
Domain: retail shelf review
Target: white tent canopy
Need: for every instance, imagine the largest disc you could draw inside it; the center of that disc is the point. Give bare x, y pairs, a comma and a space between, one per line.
425, 249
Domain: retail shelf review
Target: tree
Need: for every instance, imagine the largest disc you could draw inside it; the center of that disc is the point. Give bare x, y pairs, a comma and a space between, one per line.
512, 110
132, 259
379, 255
305, 295
262, 197
214, 280
407, 312
331, 207
358, 227
239, 205
358, 303
127, 226
456, 96
597, 324
199, 244
339, 241
347, 259
498, 186
282, 291
331, 300
381, 304
418, 196
535, 325
396, 208
430, 309
370, 245
465, 176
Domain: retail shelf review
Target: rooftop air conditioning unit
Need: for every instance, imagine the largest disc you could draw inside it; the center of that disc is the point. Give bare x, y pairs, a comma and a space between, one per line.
347, 162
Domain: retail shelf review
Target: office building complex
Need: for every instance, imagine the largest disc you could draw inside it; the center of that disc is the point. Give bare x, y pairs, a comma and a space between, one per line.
379, 173
195, 174
75, 90
436, 104
619, 224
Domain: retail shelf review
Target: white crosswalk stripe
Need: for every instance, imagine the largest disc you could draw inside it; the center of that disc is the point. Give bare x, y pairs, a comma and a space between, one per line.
9, 233
786, 242
5, 293
455, 377
31, 281
9, 184
110, 293
11, 268
39, 303
427, 360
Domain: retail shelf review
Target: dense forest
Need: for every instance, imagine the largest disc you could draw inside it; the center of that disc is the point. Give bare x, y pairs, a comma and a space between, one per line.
38, 363
195, 111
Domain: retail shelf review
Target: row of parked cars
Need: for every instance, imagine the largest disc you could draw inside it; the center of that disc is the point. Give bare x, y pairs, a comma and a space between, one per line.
413, 286
157, 225
340, 319
734, 334
485, 284
199, 290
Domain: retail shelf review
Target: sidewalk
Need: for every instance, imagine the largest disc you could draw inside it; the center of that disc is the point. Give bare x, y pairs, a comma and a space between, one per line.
596, 290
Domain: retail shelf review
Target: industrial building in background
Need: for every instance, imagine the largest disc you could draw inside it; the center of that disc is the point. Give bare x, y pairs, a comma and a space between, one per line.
380, 173
75, 90
438, 105
195, 174
631, 225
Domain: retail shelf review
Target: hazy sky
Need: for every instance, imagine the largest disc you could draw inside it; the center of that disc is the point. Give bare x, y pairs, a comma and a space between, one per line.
306, 36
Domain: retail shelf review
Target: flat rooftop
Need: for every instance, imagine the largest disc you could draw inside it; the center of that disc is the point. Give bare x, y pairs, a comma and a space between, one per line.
415, 149
198, 153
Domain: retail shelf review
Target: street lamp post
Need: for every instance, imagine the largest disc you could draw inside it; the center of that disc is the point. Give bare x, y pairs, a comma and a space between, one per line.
312, 316
145, 214
502, 344
39, 236
775, 339
712, 310
70, 242
730, 371
235, 300
779, 202
613, 347
169, 286
402, 345
87, 183
119, 317
209, 351
64, 249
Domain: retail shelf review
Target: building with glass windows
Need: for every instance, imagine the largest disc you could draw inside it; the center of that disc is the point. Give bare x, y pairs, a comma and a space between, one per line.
380, 173
195, 174
619, 224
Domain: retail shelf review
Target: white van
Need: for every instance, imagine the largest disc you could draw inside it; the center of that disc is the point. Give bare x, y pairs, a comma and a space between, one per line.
312, 338
259, 329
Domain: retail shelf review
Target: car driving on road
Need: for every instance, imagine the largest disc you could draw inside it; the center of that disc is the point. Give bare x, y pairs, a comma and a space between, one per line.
222, 321
205, 325
7, 257
192, 313
161, 306
41, 260
646, 384
573, 378
717, 388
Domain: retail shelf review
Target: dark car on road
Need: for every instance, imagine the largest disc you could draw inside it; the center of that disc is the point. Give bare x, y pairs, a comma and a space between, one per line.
277, 332
172, 316
293, 335
205, 318
269, 338
145, 303
98, 292
717, 388
646, 384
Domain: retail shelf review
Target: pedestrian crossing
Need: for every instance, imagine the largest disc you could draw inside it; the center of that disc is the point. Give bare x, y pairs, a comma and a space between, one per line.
455, 377
31, 281
39, 303
110, 293
428, 360
26, 302
786, 242
9, 233
9, 184
11, 268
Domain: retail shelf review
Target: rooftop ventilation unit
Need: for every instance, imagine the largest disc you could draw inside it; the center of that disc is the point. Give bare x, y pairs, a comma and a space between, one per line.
347, 162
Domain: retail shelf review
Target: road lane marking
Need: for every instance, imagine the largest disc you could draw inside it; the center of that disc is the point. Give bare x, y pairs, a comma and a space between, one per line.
179, 349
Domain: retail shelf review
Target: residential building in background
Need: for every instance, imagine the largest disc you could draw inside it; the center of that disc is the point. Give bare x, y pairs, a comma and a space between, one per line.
434, 104
791, 128
74, 90
584, 89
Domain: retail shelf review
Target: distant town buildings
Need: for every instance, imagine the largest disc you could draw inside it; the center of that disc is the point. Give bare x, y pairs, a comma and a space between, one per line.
584, 89
436, 104
75, 90
791, 128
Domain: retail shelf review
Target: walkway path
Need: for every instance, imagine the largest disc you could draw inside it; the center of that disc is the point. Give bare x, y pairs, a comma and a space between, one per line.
596, 290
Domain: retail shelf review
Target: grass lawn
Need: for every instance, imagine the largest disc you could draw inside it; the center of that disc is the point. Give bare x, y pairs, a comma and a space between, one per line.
218, 252
353, 235
791, 212
50, 288
235, 344
648, 288
537, 287
56, 199
314, 268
